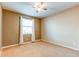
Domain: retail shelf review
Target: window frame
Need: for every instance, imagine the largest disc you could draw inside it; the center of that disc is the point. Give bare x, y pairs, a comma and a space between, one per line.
24, 26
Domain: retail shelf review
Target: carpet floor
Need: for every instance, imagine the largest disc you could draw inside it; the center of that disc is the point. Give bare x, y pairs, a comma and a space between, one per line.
38, 49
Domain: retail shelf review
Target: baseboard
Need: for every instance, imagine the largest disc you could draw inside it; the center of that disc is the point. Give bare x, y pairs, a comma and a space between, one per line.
9, 46
60, 45
19, 44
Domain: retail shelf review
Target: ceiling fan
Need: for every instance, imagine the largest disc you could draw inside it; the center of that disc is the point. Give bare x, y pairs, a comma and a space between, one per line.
39, 6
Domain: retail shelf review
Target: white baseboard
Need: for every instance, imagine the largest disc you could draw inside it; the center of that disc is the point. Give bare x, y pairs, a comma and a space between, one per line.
18, 44
60, 44
9, 46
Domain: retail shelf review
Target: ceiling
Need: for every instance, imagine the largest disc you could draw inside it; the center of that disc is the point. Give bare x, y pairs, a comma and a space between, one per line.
27, 9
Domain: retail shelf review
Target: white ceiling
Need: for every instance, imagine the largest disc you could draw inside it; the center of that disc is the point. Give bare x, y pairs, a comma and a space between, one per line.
27, 9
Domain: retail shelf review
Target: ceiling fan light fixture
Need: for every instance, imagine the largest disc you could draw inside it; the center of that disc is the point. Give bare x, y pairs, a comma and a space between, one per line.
39, 6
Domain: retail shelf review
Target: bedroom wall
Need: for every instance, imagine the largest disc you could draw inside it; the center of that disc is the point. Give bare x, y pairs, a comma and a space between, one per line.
37, 29
11, 28
62, 28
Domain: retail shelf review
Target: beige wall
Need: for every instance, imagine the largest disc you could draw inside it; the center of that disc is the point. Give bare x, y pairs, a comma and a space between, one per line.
11, 28
62, 28
37, 29
0, 26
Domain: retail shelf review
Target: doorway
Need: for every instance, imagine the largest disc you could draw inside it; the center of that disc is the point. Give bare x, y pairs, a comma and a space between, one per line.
27, 31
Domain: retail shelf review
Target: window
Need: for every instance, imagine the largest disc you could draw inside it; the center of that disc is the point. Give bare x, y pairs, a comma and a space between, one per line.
27, 26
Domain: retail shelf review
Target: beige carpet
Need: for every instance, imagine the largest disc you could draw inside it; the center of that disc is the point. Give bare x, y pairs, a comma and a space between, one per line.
39, 49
